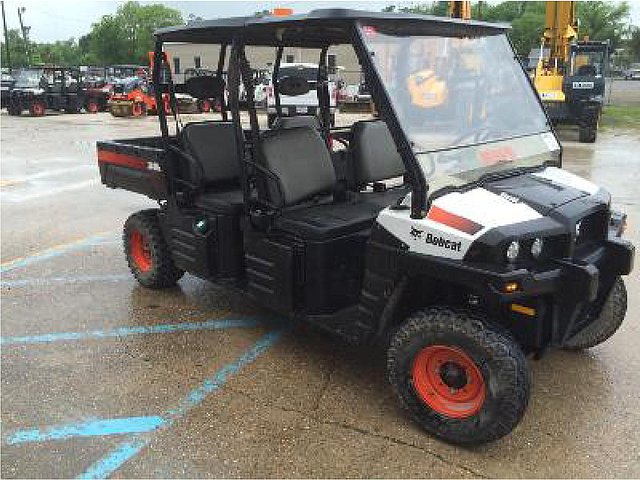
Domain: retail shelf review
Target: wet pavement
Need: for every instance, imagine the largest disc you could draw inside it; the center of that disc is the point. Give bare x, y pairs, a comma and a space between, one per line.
101, 377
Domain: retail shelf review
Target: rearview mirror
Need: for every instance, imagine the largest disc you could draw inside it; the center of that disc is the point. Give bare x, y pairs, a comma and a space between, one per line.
205, 87
293, 86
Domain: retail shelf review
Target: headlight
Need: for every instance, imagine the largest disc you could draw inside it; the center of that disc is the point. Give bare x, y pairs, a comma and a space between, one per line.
513, 250
536, 247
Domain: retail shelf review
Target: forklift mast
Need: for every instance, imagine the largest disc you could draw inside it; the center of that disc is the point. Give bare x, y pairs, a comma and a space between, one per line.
560, 31
458, 9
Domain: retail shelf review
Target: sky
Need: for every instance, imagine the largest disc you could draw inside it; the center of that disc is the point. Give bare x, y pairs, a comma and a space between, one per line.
52, 20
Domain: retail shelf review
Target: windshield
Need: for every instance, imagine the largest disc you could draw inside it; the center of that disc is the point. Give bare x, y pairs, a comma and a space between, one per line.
584, 63
28, 79
464, 104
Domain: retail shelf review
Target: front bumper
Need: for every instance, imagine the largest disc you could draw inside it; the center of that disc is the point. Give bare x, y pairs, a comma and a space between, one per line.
558, 291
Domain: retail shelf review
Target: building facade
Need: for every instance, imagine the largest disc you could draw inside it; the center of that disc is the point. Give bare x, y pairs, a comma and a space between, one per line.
342, 61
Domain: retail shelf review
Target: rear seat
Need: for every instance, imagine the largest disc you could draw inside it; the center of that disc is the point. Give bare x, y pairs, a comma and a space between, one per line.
213, 144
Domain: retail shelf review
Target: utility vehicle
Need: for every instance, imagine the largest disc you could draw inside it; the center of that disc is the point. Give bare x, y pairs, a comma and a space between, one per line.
444, 229
38, 89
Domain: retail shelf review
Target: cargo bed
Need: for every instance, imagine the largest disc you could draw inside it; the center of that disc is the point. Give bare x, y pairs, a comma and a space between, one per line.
136, 164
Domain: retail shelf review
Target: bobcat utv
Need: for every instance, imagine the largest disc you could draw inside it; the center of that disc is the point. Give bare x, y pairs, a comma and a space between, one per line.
444, 228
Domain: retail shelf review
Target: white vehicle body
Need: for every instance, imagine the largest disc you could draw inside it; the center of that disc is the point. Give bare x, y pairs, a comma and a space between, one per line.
299, 104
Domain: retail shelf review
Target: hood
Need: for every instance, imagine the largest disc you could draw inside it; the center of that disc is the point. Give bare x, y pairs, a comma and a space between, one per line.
544, 191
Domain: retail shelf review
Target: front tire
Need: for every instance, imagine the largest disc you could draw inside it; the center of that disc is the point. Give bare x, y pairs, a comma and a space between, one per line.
588, 126
147, 253
461, 379
606, 324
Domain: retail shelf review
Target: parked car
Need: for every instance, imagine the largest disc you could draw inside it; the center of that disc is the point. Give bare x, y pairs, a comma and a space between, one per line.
632, 74
302, 104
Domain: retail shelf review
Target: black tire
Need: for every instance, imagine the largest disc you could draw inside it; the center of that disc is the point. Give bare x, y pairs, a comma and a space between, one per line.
600, 329
160, 272
495, 356
271, 118
14, 110
588, 126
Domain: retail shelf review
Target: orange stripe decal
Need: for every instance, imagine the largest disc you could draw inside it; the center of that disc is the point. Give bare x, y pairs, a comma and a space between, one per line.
454, 221
106, 156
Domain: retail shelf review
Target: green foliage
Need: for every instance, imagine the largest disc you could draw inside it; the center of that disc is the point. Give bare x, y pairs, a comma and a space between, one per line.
633, 44
124, 37
127, 36
603, 20
600, 20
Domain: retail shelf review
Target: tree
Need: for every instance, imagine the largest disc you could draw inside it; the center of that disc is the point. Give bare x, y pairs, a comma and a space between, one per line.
603, 20
127, 36
17, 48
633, 44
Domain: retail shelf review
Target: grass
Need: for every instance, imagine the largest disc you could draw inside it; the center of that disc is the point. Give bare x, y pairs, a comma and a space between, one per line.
627, 116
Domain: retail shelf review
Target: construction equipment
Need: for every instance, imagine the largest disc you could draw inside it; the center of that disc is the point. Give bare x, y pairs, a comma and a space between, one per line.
570, 74
458, 9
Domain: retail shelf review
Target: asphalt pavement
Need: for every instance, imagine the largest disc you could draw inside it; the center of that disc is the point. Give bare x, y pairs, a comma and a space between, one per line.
101, 377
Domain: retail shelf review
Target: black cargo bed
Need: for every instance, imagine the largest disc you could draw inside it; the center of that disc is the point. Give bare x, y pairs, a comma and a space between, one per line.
136, 164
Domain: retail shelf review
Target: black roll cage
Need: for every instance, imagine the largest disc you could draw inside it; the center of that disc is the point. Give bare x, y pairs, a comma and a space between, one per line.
342, 27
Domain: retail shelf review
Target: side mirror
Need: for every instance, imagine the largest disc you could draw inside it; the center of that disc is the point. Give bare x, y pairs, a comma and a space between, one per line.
293, 86
205, 87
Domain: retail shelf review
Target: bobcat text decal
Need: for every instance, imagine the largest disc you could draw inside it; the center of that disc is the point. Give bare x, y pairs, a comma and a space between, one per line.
443, 242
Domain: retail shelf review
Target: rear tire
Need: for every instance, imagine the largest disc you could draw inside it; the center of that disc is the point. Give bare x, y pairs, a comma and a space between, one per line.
138, 109
37, 109
606, 324
461, 379
147, 253
92, 106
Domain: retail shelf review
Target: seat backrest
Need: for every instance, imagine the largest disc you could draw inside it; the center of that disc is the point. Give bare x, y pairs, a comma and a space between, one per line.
300, 161
374, 154
297, 121
213, 144
587, 71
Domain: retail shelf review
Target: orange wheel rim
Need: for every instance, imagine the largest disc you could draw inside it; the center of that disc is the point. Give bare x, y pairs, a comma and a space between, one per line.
93, 107
141, 251
38, 109
448, 381
137, 110
206, 106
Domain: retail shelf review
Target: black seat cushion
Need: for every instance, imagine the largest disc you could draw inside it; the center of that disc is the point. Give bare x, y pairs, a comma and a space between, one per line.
326, 221
213, 144
385, 199
228, 202
297, 121
299, 160
374, 154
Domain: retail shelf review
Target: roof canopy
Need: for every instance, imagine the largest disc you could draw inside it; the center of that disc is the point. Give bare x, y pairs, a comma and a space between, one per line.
319, 27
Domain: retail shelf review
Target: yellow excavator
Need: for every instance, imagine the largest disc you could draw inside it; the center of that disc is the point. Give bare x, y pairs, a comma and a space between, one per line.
570, 73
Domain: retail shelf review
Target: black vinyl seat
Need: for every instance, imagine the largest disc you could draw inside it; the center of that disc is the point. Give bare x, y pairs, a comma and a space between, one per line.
328, 220
302, 183
374, 159
213, 145
297, 121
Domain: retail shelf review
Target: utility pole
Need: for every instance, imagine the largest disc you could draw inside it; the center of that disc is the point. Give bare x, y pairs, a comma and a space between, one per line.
6, 38
25, 31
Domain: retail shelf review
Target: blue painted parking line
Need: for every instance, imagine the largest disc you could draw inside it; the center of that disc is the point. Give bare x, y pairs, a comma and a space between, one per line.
41, 282
56, 251
219, 324
91, 428
130, 448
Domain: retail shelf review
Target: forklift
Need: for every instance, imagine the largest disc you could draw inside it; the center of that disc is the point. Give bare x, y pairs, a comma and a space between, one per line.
446, 232
570, 74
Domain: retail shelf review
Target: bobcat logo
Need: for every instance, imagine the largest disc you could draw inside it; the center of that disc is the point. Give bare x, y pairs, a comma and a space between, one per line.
416, 233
